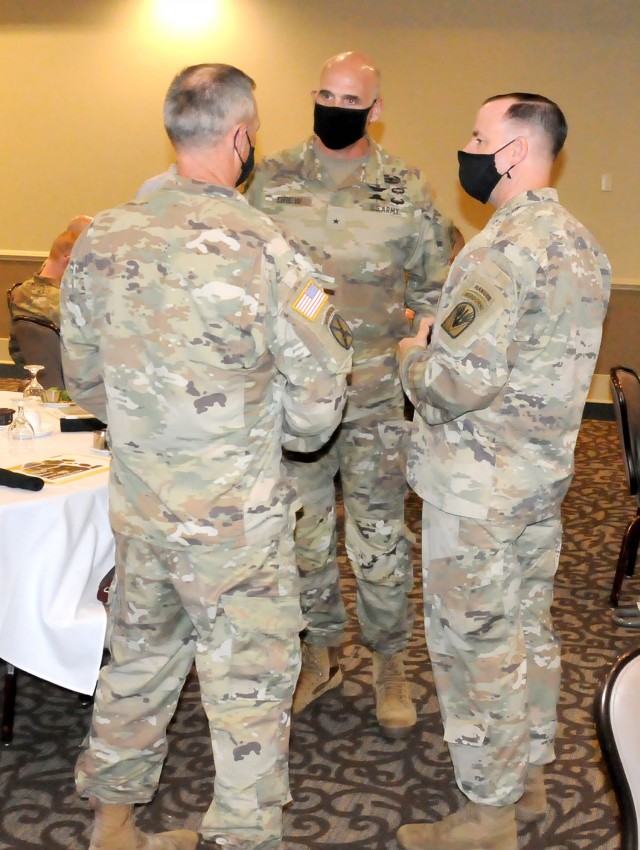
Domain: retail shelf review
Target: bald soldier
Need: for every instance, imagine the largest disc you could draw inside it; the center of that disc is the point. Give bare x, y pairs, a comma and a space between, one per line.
198, 330
367, 219
499, 393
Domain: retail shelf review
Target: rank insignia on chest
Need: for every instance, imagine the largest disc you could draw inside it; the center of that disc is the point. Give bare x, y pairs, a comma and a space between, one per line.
310, 301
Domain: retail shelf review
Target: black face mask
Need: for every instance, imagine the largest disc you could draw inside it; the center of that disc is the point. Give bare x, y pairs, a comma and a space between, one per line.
339, 128
478, 174
248, 164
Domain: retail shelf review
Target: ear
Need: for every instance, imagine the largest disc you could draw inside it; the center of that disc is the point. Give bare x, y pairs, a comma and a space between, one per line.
376, 110
235, 134
520, 149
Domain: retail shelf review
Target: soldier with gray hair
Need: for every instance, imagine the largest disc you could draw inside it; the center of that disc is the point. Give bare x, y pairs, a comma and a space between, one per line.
200, 333
499, 391
368, 219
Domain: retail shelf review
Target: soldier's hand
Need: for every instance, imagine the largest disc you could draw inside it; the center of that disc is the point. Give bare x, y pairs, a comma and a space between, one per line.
424, 331
420, 340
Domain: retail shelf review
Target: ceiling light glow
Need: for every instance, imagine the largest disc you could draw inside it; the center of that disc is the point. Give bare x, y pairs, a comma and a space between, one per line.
187, 15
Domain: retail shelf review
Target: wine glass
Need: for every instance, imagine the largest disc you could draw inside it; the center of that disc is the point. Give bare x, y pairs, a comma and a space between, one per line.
33, 390
21, 429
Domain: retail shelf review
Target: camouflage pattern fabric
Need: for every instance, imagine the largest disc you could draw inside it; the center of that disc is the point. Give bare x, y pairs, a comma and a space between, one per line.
37, 298
499, 395
379, 236
501, 390
488, 589
237, 612
368, 454
198, 331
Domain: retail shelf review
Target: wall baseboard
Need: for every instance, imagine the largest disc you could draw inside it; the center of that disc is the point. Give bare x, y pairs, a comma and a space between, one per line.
22, 256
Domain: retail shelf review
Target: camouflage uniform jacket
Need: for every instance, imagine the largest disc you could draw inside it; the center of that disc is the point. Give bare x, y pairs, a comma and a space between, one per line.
193, 327
38, 298
382, 240
501, 389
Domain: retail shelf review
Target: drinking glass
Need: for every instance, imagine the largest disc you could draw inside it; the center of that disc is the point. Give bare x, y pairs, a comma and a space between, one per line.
21, 429
33, 389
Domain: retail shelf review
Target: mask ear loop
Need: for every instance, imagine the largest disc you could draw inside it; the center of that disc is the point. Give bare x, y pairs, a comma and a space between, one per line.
235, 143
507, 173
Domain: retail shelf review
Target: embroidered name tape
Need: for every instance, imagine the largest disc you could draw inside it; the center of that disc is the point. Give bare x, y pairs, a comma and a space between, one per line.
296, 201
310, 301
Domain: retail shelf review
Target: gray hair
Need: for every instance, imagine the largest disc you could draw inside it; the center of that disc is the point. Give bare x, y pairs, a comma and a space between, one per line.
204, 101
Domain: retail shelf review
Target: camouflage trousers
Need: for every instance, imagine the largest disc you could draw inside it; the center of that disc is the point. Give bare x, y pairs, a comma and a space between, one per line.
237, 613
367, 453
488, 589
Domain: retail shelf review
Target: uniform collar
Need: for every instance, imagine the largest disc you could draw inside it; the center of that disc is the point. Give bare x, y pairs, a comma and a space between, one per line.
370, 172
197, 187
524, 199
48, 281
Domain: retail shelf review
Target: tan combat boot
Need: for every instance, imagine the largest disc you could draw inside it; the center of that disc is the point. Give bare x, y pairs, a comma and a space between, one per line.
474, 827
395, 711
320, 672
114, 829
533, 803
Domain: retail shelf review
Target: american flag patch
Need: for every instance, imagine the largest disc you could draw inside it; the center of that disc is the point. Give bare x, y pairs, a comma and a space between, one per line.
310, 301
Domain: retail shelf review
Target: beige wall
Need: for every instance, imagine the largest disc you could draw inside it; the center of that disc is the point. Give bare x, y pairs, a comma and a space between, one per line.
84, 82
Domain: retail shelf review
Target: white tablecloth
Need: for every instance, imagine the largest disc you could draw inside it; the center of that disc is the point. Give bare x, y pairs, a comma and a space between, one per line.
55, 547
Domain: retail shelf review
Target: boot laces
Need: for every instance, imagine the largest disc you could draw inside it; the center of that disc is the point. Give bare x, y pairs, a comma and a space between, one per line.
392, 678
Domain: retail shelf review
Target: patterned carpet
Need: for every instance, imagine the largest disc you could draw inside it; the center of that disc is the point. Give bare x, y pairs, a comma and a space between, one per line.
351, 788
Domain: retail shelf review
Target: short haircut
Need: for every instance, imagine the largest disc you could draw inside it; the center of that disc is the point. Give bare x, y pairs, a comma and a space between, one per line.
538, 111
204, 101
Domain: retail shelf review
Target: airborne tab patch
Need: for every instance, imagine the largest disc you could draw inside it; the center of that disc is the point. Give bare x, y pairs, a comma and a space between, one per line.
310, 301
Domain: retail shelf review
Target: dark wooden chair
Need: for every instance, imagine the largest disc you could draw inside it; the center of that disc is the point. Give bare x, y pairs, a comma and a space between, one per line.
39, 342
615, 711
625, 391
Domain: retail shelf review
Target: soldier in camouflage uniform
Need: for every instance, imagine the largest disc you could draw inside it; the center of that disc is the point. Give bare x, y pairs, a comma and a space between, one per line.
39, 296
197, 330
499, 393
367, 219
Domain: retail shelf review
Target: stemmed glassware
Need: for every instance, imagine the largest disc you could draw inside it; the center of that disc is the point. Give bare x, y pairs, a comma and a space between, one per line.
34, 389
21, 429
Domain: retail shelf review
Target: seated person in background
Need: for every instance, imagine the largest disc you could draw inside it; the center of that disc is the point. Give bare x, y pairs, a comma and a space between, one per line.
39, 296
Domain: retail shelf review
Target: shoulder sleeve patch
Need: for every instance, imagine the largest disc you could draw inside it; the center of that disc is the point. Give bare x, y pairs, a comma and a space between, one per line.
310, 301
339, 328
471, 306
